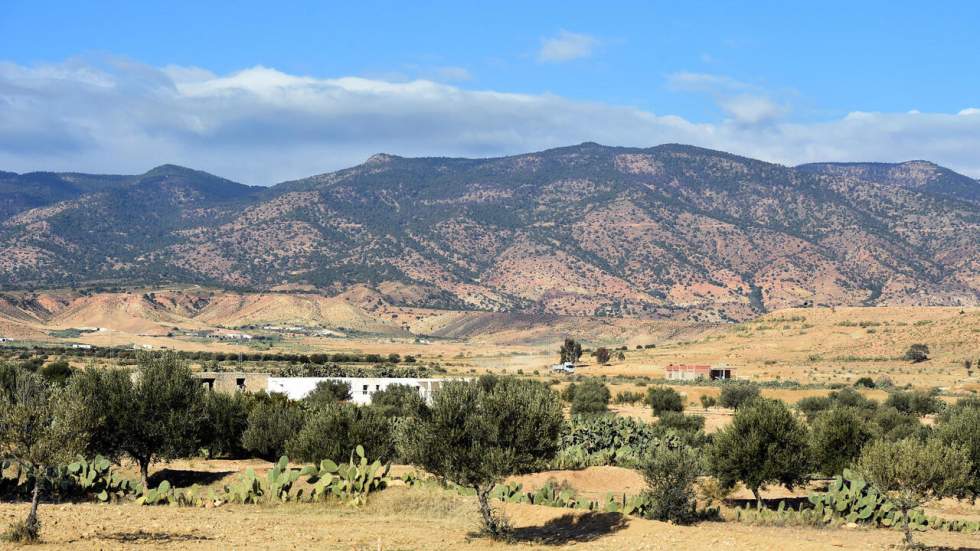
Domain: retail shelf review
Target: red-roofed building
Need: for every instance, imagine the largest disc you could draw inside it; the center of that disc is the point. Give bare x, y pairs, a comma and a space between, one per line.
693, 372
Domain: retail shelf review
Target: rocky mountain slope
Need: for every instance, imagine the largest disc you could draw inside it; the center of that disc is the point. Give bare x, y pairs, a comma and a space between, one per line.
672, 231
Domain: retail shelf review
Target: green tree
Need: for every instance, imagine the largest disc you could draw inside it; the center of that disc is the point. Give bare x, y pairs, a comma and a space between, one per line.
328, 392
226, 419
333, 431
475, 435
57, 372
272, 422
917, 353
912, 473
151, 414
570, 351
398, 401
40, 427
670, 468
836, 438
664, 398
735, 394
590, 397
916, 402
961, 428
764, 444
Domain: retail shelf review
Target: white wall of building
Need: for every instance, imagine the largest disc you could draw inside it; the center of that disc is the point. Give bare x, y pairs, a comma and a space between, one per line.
362, 388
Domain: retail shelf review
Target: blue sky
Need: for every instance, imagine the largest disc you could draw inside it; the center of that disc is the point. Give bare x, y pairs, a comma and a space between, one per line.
262, 92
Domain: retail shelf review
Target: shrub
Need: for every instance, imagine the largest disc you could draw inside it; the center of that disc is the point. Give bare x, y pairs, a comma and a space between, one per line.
226, 422
568, 393
271, 423
961, 428
735, 394
708, 401
911, 473
328, 392
917, 353
836, 438
677, 421
57, 372
475, 434
812, 406
670, 469
890, 424
398, 401
664, 398
332, 432
916, 402
628, 397
591, 397
865, 382
602, 355
763, 444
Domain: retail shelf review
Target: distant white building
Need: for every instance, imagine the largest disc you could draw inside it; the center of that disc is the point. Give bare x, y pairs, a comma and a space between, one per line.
362, 388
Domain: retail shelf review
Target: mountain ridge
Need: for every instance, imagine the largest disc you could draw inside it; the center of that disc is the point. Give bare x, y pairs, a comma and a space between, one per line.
667, 231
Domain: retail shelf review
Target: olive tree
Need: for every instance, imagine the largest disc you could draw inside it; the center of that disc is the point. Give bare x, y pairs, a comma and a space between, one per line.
912, 473
478, 432
764, 444
961, 428
670, 468
151, 414
836, 438
590, 397
663, 398
735, 394
40, 427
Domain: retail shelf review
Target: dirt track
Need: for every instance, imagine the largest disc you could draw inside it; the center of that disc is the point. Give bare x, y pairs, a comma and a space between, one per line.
402, 518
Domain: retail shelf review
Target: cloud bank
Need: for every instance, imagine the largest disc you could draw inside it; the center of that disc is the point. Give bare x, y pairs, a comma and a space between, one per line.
262, 126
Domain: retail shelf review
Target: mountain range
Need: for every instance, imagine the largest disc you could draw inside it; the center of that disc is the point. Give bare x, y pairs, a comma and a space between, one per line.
669, 231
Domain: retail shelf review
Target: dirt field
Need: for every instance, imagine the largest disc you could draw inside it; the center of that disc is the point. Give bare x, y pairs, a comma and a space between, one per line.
424, 519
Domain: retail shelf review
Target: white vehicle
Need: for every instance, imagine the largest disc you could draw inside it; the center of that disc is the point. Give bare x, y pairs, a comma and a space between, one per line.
567, 367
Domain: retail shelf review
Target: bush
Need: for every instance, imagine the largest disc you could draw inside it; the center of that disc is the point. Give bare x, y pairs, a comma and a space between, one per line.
911, 473
670, 469
891, 425
735, 394
628, 397
272, 422
916, 402
866, 382
328, 393
664, 398
763, 444
476, 433
677, 421
917, 353
332, 432
398, 401
590, 397
57, 372
708, 401
568, 393
19, 532
602, 355
961, 428
837, 437
812, 406
226, 422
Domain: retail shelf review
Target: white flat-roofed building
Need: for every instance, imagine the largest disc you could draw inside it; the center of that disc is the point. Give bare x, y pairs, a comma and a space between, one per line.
361, 388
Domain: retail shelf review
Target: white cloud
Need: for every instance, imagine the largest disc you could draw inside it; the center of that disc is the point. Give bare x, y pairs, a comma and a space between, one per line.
263, 126
751, 109
566, 46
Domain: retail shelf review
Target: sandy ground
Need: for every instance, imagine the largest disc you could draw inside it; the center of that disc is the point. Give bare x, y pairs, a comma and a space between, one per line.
402, 518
